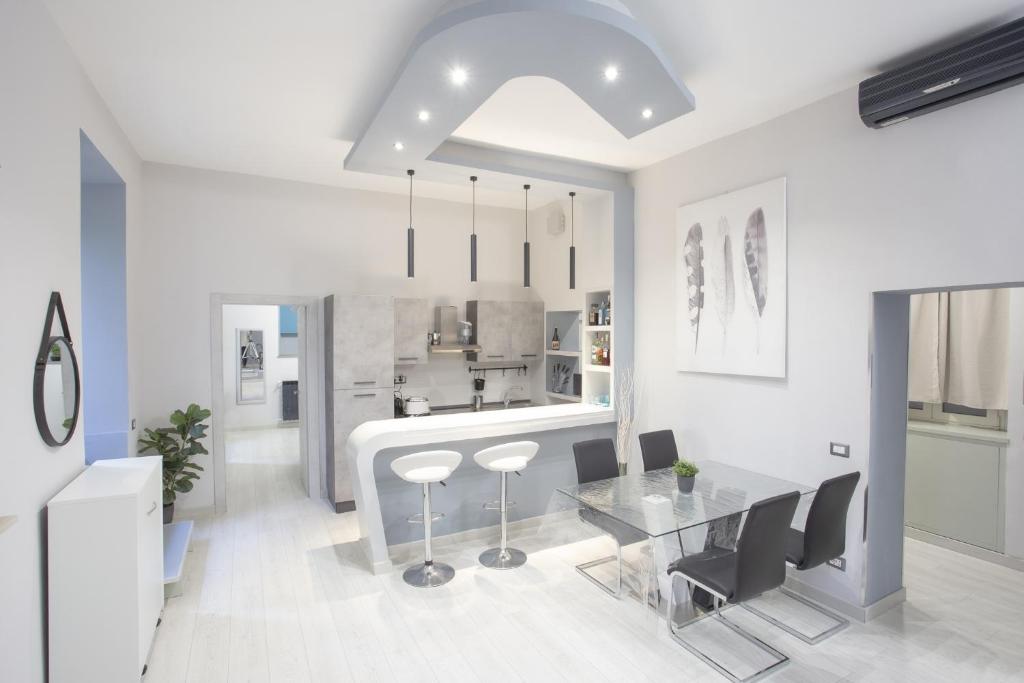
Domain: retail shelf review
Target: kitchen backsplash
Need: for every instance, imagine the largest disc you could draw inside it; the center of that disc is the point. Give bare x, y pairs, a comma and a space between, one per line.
445, 381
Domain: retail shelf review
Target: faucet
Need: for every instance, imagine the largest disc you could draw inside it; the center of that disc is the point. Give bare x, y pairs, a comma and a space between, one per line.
506, 396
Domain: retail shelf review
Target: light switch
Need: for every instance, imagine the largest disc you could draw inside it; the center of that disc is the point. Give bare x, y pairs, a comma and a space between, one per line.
840, 450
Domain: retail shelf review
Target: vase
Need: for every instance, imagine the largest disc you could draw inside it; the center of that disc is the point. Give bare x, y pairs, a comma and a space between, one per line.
685, 484
168, 513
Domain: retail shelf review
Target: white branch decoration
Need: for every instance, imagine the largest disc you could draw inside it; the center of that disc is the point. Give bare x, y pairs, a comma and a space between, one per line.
629, 391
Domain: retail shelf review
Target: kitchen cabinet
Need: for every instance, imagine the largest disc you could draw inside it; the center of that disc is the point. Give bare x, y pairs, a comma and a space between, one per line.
104, 536
412, 324
352, 407
364, 341
507, 330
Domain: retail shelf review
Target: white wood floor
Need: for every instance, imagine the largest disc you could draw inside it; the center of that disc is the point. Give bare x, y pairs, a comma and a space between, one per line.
276, 591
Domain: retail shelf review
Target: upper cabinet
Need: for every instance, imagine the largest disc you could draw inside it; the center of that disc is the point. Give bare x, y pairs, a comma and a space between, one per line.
412, 324
506, 330
364, 341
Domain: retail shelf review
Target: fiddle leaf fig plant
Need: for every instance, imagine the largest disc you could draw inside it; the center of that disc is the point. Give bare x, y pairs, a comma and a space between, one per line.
177, 445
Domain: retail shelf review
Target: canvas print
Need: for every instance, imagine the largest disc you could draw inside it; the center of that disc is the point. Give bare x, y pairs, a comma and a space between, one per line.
731, 283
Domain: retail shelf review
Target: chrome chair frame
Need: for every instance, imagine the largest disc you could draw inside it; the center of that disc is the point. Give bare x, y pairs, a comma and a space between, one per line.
841, 623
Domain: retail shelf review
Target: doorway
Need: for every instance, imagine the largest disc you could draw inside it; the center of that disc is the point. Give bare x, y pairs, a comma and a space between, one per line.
107, 425
266, 387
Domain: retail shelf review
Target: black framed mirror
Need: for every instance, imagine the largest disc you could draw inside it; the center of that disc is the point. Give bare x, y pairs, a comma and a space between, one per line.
56, 389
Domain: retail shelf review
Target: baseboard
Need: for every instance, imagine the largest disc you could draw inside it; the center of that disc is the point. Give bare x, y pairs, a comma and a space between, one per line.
258, 428
964, 548
862, 614
345, 506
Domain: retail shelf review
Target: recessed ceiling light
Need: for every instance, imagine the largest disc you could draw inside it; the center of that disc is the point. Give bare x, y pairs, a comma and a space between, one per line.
424, 115
399, 146
459, 75
611, 73
647, 113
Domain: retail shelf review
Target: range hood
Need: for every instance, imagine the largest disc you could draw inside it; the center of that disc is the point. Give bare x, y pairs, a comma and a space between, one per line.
447, 323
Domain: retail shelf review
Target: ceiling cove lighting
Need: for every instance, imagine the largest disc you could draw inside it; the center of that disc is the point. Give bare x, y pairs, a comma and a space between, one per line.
572, 242
526, 235
472, 237
459, 76
424, 115
647, 113
399, 146
410, 247
611, 73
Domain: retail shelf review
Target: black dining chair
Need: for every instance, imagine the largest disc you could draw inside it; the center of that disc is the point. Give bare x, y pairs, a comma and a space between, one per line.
823, 539
758, 564
658, 449
595, 460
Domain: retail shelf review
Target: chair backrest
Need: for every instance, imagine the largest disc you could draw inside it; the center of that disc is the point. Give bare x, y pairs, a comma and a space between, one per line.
761, 548
825, 531
595, 460
658, 449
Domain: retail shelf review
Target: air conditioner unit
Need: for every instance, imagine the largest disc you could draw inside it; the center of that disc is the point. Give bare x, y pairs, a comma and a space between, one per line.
986, 63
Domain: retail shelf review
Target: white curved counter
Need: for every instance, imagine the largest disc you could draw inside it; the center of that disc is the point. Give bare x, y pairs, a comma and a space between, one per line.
370, 438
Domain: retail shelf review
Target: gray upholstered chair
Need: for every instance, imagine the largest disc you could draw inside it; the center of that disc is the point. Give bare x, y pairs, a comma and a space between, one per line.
658, 449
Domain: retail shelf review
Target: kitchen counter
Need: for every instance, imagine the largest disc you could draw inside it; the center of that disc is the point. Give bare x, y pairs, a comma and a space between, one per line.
369, 439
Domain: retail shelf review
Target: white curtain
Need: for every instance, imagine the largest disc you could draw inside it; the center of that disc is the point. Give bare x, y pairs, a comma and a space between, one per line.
959, 344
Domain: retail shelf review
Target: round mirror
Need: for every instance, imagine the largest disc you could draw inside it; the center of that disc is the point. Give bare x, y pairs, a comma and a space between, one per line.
56, 392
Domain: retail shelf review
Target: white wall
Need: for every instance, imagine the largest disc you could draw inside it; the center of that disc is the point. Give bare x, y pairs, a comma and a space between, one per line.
254, 235
276, 369
46, 101
930, 203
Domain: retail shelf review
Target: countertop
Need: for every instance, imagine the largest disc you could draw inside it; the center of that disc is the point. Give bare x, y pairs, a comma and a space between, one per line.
467, 408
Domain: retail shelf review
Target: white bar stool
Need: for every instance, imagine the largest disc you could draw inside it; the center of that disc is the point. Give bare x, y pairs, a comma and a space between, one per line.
426, 468
505, 458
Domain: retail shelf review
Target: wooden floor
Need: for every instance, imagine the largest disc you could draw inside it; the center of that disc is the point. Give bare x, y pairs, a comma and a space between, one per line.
277, 591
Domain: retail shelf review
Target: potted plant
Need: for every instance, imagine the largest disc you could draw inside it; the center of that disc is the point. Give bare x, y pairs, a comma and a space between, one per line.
177, 445
685, 472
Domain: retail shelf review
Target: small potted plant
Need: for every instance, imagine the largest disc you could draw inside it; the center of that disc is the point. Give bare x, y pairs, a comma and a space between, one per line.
177, 445
685, 472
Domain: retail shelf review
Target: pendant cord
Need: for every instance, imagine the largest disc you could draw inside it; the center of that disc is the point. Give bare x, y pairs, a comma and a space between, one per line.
474, 204
526, 212
572, 214
410, 199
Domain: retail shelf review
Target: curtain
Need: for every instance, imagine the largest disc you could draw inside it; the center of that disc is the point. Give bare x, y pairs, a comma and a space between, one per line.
959, 343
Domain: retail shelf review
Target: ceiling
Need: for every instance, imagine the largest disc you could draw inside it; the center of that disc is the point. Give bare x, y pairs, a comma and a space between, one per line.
282, 89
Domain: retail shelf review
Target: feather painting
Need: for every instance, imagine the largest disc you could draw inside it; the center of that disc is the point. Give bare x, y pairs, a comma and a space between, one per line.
755, 250
723, 282
693, 256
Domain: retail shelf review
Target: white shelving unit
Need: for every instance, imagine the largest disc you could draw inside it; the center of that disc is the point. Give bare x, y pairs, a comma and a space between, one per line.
598, 380
569, 324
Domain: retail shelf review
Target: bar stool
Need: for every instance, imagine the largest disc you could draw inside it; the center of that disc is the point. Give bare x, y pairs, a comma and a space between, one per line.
425, 468
505, 458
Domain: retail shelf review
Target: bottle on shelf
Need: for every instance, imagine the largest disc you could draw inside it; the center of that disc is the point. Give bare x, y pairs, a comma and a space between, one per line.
593, 314
556, 344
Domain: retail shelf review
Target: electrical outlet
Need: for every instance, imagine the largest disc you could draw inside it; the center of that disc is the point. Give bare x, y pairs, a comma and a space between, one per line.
838, 563
840, 450
133, 424
399, 379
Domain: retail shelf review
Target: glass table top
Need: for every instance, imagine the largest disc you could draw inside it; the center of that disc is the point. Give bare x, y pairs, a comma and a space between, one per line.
652, 503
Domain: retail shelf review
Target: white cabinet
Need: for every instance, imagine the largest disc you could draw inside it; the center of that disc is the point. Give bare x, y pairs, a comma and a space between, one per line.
364, 341
507, 330
412, 324
105, 571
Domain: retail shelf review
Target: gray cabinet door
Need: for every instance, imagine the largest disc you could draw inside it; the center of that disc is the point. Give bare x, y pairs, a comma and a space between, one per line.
364, 342
527, 326
353, 407
412, 323
492, 327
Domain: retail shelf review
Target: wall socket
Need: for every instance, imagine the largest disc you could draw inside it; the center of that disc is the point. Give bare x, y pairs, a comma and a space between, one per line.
838, 563
840, 450
399, 379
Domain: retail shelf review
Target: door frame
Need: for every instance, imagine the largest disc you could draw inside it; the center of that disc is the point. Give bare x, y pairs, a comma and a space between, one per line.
311, 404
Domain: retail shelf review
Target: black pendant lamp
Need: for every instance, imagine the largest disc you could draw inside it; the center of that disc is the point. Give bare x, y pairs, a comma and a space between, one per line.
472, 238
526, 232
410, 249
572, 243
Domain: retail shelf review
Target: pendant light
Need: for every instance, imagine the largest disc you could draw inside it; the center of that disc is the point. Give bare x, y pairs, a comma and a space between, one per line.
410, 249
526, 234
572, 242
472, 238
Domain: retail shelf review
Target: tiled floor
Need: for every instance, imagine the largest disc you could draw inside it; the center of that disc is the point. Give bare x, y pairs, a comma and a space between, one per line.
276, 590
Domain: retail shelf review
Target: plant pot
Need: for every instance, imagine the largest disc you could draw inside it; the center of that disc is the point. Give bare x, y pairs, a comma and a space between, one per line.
685, 484
168, 513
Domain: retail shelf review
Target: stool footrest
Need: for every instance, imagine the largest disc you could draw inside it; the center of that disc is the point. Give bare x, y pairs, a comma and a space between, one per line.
496, 505
418, 518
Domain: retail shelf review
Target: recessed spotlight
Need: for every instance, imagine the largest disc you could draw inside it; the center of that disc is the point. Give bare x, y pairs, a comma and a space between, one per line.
459, 75
399, 146
611, 73
424, 115
647, 113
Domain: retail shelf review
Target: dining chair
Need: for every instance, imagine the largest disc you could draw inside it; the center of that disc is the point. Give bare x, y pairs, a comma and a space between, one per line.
595, 461
758, 564
658, 449
822, 540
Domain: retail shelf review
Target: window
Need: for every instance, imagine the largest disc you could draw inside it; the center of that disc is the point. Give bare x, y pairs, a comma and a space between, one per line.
953, 414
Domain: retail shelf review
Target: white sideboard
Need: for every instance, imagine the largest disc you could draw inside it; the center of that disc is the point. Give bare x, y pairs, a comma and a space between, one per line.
105, 563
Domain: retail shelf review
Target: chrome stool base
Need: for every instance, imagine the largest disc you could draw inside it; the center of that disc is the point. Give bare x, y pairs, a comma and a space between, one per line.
496, 558
428, 575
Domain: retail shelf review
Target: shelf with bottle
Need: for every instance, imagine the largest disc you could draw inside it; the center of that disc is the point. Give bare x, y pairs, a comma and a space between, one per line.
599, 309
600, 349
